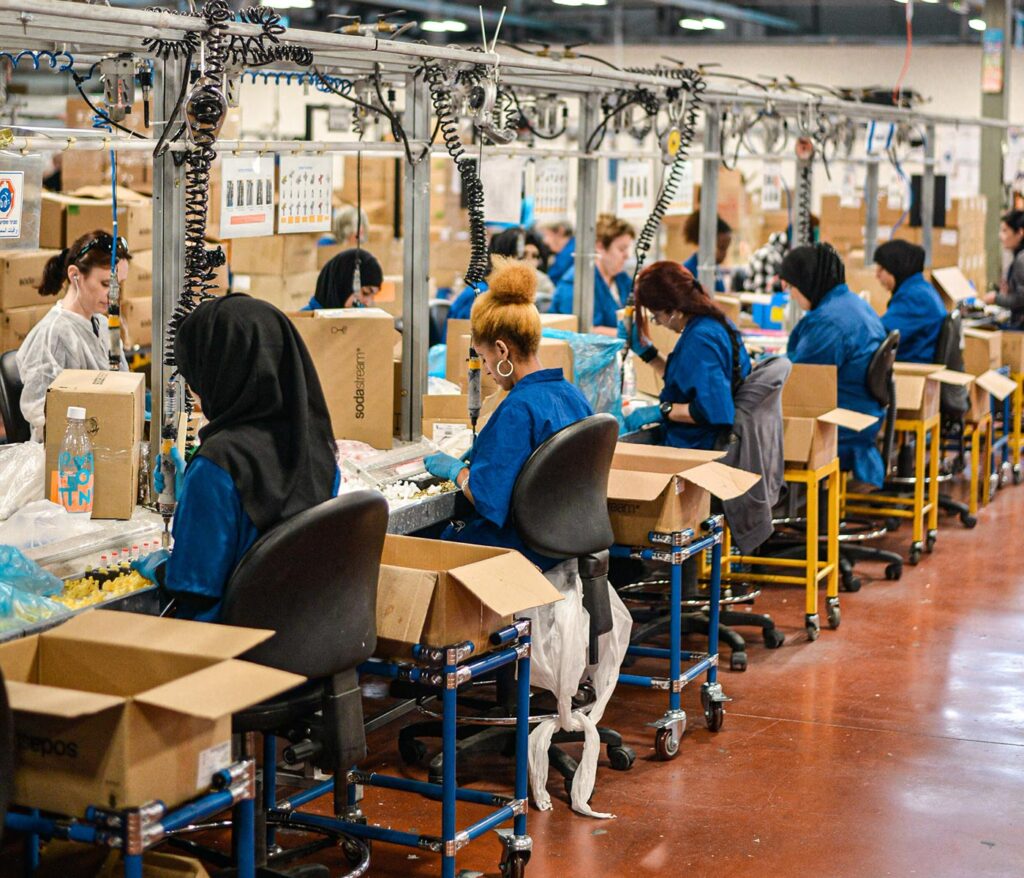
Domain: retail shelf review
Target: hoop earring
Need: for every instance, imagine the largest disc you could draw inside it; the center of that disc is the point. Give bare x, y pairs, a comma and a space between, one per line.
511, 369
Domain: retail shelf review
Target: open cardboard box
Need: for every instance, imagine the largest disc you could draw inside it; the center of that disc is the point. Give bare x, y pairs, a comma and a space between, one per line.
653, 488
444, 410
810, 417
1012, 344
953, 286
983, 350
987, 385
119, 709
442, 593
918, 388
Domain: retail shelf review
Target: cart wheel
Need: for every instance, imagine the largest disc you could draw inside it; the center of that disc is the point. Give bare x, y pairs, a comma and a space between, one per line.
738, 661
621, 758
773, 638
812, 626
894, 570
412, 750
834, 615
968, 520
930, 540
915, 553
666, 744
1018, 475
892, 524
513, 864
714, 716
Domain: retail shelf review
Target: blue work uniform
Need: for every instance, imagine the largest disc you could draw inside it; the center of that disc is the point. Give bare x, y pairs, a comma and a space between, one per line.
536, 408
691, 266
606, 306
699, 373
565, 260
312, 305
916, 310
212, 533
844, 331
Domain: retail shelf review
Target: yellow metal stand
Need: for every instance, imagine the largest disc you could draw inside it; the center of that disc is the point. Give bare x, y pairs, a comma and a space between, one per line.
921, 510
1017, 414
978, 435
814, 570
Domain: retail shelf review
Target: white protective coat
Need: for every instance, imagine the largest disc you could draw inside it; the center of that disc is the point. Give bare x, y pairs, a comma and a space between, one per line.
61, 340
558, 663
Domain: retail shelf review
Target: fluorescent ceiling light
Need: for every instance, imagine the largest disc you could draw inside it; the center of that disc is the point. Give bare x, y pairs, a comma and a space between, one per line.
569, 2
930, 1
976, 24
455, 27
449, 25
713, 23
293, 4
691, 23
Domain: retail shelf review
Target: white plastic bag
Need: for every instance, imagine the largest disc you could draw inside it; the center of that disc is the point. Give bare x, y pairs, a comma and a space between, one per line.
21, 476
40, 523
558, 663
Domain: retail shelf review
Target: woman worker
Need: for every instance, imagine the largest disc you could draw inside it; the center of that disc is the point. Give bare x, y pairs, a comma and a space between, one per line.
265, 454
1011, 294
560, 240
841, 330
612, 285
510, 242
705, 367
506, 333
337, 285
915, 308
723, 241
75, 333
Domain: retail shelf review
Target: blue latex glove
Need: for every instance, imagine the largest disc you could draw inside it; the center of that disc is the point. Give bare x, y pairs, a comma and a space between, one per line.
641, 417
639, 346
467, 455
179, 473
147, 566
444, 466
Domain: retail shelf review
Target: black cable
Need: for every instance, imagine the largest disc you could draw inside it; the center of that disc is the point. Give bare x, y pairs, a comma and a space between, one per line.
529, 125
161, 144
78, 80
397, 131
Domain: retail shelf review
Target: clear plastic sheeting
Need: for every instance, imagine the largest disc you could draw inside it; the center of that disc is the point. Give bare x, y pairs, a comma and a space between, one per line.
596, 368
21, 194
41, 523
21, 574
558, 663
21, 476
20, 610
111, 534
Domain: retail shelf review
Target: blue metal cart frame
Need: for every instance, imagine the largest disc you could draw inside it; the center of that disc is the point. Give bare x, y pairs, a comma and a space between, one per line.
1002, 453
446, 668
135, 830
679, 548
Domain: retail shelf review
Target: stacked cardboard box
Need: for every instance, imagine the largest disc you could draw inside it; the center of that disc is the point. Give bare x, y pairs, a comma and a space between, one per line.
21, 306
280, 269
65, 218
378, 188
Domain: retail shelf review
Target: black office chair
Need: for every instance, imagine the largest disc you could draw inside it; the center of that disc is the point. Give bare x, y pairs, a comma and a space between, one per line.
16, 427
560, 509
439, 309
312, 579
543, 302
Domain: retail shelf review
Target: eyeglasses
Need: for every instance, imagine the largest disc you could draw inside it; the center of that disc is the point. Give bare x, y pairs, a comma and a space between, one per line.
105, 242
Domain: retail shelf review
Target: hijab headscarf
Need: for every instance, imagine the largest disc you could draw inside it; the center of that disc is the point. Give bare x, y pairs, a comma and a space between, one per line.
334, 284
269, 427
901, 259
814, 269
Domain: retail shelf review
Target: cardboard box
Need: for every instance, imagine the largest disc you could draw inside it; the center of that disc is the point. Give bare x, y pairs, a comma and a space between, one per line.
21, 272
120, 709
446, 410
17, 323
666, 490
65, 218
352, 351
442, 593
567, 322
140, 276
281, 255
918, 388
553, 354
811, 418
953, 287
289, 293
114, 405
137, 319
1013, 351
647, 380
983, 351
988, 385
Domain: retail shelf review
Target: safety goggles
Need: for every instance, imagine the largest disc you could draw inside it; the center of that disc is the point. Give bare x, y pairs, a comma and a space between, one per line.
104, 243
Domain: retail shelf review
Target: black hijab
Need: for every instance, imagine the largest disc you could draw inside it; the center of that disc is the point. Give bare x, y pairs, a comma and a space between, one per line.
334, 285
901, 259
814, 269
268, 428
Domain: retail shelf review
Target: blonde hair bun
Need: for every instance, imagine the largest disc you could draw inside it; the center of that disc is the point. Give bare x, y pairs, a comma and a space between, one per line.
512, 282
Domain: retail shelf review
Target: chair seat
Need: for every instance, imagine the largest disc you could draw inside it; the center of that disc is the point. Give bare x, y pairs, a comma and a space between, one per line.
288, 707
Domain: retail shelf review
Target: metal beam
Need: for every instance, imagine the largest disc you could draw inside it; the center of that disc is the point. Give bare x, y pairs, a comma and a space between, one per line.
735, 13
587, 185
458, 12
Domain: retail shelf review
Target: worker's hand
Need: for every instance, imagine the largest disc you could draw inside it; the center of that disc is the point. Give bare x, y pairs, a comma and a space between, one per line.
639, 345
179, 473
641, 417
467, 455
147, 566
989, 298
444, 466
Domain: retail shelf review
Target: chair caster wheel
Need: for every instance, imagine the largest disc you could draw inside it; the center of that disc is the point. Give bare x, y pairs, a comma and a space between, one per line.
435, 778
773, 638
893, 571
892, 524
1018, 475
915, 554
812, 626
412, 750
567, 786
834, 615
666, 744
967, 520
621, 758
513, 864
849, 582
738, 661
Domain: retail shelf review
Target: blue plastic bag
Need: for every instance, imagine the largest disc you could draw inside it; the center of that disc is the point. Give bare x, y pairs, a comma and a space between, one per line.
437, 361
596, 368
19, 573
20, 609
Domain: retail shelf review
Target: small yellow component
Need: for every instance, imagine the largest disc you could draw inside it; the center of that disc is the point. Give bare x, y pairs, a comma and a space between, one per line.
87, 591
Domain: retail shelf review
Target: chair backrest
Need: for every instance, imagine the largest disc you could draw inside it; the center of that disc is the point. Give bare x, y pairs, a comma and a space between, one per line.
882, 386
543, 302
313, 580
560, 499
15, 425
954, 401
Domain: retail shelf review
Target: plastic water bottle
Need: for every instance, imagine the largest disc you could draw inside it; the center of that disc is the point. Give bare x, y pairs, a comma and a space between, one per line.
76, 466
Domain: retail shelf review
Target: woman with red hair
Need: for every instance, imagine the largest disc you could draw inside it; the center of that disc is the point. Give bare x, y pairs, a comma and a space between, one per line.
705, 367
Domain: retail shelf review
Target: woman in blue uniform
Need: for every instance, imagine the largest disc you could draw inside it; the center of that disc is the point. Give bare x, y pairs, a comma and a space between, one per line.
915, 308
559, 239
704, 369
840, 329
723, 241
506, 333
266, 452
338, 287
612, 285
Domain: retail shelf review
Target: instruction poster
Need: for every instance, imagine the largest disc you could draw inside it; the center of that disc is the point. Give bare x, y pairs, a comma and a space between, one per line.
771, 186
12, 197
305, 198
502, 179
682, 203
247, 196
633, 195
848, 194
551, 191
